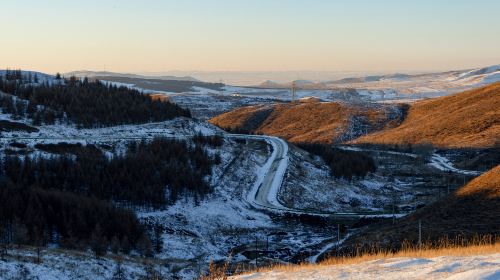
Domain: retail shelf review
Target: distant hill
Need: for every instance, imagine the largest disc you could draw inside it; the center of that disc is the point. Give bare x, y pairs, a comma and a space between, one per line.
467, 119
269, 84
311, 121
150, 85
298, 84
472, 209
428, 83
42, 77
92, 74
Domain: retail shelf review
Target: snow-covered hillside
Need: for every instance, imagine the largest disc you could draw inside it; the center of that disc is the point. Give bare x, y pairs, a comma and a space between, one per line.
71, 265
41, 77
485, 267
393, 87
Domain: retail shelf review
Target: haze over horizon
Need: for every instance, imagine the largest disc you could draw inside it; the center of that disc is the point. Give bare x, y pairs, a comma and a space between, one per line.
249, 36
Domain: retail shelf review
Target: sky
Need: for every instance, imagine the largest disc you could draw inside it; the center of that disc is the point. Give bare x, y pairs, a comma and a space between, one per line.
242, 35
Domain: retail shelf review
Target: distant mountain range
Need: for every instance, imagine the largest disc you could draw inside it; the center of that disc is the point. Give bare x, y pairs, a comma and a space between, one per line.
469, 77
91, 74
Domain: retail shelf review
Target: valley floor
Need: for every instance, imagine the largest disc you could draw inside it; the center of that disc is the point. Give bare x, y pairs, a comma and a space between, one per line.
445, 267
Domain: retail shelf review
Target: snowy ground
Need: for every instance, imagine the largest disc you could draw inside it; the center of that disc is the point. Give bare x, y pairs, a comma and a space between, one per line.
444, 164
206, 104
485, 267
308, 185
386, 89
195, 231
66, 265
198, 233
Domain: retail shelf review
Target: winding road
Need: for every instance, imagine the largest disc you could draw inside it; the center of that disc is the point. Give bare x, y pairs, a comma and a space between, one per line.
264, 194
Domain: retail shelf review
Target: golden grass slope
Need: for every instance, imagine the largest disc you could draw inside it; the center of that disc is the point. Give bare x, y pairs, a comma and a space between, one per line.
312, 122
467, 119
472, 210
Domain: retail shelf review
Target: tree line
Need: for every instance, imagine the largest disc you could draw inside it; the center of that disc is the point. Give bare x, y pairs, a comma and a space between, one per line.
83, 102
35, 216
79, 198
148, 174
342, 163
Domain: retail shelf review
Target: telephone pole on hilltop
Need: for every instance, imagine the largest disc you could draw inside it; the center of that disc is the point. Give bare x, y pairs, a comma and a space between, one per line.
294, 91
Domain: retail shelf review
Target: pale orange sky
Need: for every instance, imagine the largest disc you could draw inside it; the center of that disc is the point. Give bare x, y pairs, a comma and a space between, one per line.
237, 35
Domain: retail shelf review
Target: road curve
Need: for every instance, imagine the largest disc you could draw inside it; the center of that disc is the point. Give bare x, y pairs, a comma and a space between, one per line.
264, 194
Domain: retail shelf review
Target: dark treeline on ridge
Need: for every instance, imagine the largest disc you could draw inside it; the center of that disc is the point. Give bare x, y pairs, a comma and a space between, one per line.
83, 102
343, 164
75, 199
38, 217
149, 174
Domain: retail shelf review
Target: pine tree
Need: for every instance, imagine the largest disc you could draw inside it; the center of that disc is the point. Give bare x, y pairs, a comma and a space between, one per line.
158, 240
115, 245
98, 242
144, 246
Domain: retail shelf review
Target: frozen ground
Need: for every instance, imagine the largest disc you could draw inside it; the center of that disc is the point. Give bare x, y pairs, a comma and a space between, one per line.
486, 267
196, 232
385, 88
65, 265
308, 185
444, 164
403, 182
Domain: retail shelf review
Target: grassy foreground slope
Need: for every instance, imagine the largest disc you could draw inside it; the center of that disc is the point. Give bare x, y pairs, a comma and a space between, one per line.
439, 264
469, 119
471, 210
310, 122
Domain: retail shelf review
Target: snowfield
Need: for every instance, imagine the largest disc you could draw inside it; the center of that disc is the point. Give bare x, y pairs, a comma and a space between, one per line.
444, 164
72, 266
486, 267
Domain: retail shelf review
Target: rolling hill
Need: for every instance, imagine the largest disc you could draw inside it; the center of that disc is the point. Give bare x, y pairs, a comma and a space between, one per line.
311, 121
472, 209
467, 119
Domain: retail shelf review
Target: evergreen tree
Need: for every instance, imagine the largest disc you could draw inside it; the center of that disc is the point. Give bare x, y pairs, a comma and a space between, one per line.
98, 242
158, 240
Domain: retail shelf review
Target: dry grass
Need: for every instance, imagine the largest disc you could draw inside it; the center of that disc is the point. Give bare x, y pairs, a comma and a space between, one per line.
217, 272
467, 119
469, 216
479, 246
472, 209
161, 97
488, 183
301, 122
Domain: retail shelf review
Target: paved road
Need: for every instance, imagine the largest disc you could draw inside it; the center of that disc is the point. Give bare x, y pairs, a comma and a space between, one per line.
265, 191
264, 195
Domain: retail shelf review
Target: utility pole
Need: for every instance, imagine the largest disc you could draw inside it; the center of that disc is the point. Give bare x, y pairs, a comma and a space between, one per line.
267, 244
420, 234
338, 235
256, 253
338, 239
294, 91
393, 214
